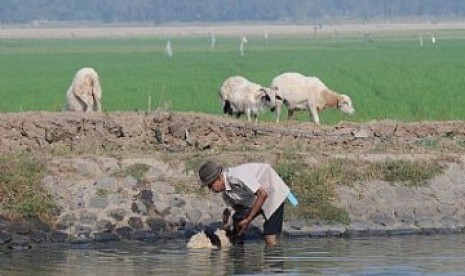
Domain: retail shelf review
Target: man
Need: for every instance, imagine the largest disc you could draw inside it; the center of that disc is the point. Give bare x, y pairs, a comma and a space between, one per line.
250, 189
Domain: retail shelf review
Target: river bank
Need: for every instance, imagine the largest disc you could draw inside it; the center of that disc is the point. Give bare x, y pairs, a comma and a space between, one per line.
130, 176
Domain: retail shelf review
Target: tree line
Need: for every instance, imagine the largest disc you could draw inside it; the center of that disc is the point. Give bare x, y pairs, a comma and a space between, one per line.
162, 11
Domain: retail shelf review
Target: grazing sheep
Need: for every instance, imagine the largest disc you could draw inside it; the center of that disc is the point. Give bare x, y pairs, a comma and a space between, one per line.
240, 96
215, 240
299, 92
85, 93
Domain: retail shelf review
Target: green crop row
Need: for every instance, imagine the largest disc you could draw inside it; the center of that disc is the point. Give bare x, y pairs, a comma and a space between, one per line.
387, 77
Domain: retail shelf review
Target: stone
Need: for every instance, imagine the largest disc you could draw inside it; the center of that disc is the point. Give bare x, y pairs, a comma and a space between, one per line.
98, 202
83, 231
136, 223
156, 224
58, 237
20, 244
108, 183
38, 237
104, 237
145, 235
21, 227
104, 225
77, 203
87, 217
5, 237
66, 221
177, 201
193, 215
124, 232
146, 196
129, 182
118, 214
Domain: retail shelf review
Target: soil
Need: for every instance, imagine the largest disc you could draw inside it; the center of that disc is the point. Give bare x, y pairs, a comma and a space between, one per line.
168, 132
61, 133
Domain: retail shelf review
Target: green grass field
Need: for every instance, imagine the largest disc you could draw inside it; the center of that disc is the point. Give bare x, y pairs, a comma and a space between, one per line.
389, 77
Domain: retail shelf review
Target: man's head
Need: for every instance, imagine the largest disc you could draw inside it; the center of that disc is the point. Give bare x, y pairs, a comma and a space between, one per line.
209, 174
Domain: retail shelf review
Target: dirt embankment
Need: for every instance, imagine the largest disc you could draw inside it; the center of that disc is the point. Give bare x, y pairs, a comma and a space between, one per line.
132, 132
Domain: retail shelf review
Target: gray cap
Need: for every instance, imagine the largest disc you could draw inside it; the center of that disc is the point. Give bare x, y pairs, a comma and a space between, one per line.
209, 172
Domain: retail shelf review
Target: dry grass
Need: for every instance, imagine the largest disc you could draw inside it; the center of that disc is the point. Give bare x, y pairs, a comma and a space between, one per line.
21, 191
314, 184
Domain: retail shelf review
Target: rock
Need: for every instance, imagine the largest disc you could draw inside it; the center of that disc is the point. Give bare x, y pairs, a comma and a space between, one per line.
104, 225
77, 203
145, 235
177, 201
362, 133
129, 182
118, 214
124, 232
21, 227
58, 237
98, 202
107, 183
136, 223
38, 225
156, 224
66, 221
4, 223
104, 237
20, 244
5, 237
87, 217
83, 231
194, 215
146, 196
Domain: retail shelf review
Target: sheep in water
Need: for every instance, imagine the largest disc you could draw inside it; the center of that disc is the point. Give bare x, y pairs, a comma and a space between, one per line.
299, 92
240, 96
85, 93
215, 240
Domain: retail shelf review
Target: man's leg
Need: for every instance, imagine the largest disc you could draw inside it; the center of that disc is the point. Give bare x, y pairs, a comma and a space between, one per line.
240, 214
274, 226
271, 240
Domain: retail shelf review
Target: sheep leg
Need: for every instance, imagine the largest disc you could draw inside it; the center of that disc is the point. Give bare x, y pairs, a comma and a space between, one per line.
314, 114
277, 111
290, 114
249, 115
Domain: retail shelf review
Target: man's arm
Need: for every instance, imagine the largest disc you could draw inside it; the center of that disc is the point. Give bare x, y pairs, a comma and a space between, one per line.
262, 195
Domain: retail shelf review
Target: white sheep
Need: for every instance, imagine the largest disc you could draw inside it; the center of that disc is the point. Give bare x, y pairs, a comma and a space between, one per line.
299, 92
216, 240
240, 96
85, 93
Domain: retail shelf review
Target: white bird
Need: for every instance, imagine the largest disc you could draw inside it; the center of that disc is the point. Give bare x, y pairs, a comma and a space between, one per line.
433, 39
168, 49
213, 41
241, 46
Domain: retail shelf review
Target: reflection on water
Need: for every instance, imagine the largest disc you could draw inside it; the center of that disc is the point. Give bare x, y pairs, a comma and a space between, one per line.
405, 255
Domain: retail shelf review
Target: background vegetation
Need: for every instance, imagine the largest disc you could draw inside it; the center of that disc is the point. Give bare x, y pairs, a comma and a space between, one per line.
388, 75
160, 11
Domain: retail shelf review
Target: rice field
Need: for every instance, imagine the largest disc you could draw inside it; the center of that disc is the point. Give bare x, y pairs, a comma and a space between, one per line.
388, 76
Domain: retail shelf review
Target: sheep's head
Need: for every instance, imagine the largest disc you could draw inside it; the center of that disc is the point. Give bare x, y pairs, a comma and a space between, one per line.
344, 103
268, 97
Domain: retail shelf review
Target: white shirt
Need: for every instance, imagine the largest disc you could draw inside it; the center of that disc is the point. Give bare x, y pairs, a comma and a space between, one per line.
243, 181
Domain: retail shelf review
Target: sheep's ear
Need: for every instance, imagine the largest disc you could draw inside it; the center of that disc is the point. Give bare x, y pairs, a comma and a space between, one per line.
264, 94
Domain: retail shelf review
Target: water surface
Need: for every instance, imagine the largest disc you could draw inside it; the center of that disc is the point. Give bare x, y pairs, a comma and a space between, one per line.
403, 255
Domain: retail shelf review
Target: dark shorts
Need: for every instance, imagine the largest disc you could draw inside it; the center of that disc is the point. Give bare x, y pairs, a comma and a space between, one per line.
272, 226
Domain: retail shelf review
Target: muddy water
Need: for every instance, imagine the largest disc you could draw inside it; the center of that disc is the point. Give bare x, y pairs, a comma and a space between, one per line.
403, 255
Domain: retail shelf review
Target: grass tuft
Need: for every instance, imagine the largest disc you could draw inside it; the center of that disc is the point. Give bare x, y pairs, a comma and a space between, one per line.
315, 184
21, 191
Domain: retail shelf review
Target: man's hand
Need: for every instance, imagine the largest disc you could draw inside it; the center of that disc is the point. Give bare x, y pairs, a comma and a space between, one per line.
243, 225
256, 207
